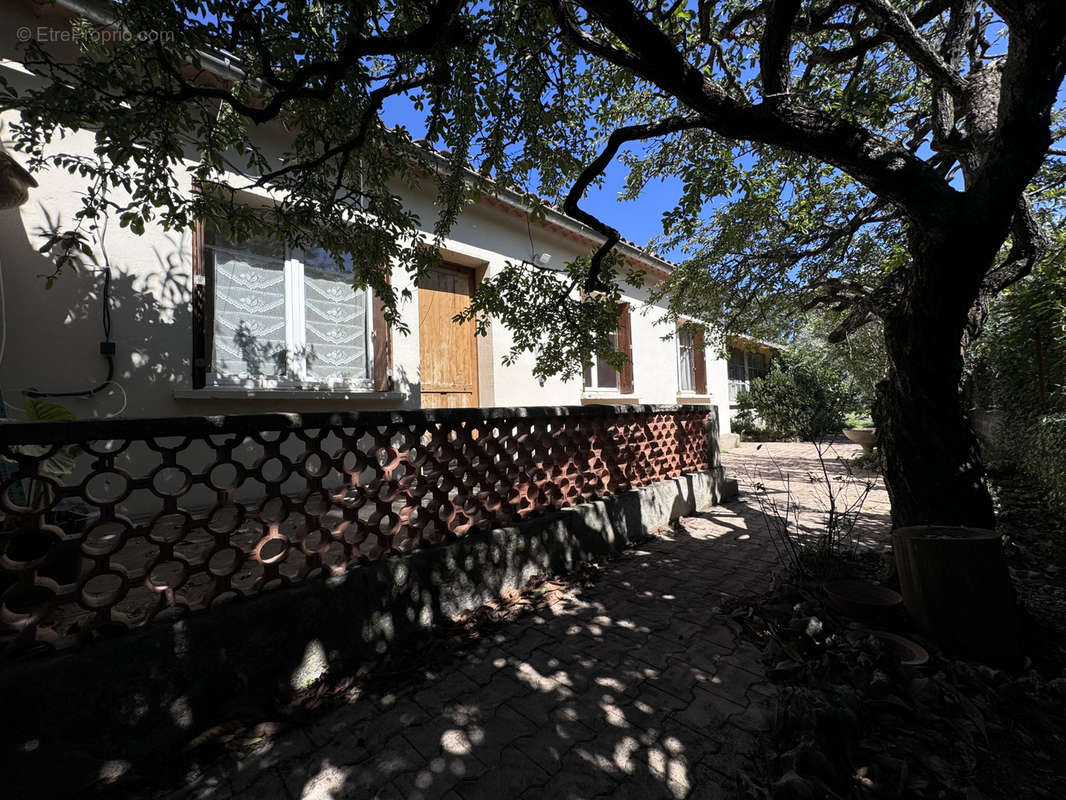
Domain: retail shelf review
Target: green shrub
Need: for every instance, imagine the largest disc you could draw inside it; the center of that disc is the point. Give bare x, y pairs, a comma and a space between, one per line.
1017, 369
745, 421
803, 396
854, 420
1043, 455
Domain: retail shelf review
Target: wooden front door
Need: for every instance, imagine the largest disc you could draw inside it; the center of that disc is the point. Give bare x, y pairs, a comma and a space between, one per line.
448, 351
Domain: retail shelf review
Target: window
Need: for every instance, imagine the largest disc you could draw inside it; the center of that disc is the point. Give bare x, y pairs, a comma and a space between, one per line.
738, 373
756, 366
285, 318
600, 377
686, 363
744, 367
691, 362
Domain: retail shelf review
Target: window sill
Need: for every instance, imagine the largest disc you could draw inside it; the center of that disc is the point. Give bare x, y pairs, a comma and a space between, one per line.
242, 393
609, 399
693, 398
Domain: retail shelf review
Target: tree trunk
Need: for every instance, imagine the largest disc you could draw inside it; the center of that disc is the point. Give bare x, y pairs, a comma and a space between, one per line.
932, 466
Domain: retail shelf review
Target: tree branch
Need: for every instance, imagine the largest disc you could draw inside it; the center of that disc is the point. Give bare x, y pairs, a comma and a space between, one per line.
880, 164
820, 242
321, 78
1029, 244
902, 31
587, 42
921, 17
1033, 71
369, 115
596, 167
952, 48
776, 45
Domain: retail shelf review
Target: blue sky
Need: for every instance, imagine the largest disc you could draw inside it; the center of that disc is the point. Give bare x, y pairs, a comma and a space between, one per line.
638, 220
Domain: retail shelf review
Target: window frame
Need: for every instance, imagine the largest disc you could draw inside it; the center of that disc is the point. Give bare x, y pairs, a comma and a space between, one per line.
593, 371
297, 377
625, 385
736, 385
680, 352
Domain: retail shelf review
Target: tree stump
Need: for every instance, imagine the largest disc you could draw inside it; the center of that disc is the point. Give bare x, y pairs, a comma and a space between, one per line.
956, 586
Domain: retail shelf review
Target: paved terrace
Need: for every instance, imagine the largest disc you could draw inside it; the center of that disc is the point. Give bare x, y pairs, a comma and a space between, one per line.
631, 688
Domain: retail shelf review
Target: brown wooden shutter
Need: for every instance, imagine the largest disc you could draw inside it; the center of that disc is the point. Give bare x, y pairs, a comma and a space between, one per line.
699, 361
382, 348
625, 345
201, 308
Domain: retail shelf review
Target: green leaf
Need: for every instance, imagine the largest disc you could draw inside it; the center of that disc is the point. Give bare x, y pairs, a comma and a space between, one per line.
38, 410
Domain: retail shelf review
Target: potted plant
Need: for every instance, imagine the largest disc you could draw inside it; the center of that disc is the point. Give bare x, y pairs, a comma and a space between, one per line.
860, 429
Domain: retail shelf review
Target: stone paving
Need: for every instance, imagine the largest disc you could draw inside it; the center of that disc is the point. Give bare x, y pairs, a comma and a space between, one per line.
794, 467
633, 687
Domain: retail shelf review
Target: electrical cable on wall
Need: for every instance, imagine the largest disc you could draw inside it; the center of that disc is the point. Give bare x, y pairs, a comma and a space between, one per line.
3, 333
107, 346
3, 315
536, 260
107, 349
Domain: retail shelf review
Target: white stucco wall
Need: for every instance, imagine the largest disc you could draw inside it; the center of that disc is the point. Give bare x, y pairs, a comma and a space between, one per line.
718, 388
52, 336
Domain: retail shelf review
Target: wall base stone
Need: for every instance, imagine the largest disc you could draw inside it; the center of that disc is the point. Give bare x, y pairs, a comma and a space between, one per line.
141, 696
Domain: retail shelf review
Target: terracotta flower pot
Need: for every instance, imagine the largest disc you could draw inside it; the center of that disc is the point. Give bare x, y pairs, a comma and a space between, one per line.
909, 653
863, 600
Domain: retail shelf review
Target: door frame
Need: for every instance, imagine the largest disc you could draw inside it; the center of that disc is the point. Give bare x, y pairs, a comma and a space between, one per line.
472, 277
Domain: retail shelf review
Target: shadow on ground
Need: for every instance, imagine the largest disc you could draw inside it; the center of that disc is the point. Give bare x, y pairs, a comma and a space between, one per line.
634, 687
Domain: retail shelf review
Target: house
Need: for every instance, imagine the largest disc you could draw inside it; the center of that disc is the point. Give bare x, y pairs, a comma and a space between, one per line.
199, 325
170, 496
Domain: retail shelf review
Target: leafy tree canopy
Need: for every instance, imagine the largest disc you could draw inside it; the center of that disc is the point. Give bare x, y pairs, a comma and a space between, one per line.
807, 135
859, 357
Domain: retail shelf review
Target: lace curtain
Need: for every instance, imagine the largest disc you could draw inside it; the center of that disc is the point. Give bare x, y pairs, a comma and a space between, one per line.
249, 326
335, 322
278, 321
686, 367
